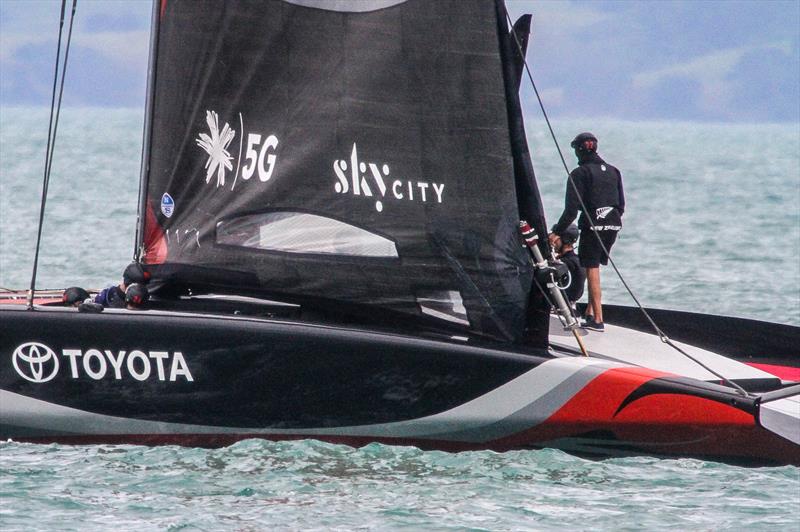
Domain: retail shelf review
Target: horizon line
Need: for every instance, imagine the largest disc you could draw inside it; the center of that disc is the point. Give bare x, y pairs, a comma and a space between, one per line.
530, 115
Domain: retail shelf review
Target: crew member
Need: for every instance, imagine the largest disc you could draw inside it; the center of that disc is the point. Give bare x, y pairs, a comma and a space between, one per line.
114, 296
74, 296
136, 296
563, 245
600, 186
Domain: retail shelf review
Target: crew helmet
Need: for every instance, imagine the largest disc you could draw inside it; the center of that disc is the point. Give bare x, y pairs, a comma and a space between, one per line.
569, 235
74, 294
584, 142
137, 295
134, 273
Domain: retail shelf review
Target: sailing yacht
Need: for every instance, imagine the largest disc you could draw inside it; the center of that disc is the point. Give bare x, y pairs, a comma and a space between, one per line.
331, 197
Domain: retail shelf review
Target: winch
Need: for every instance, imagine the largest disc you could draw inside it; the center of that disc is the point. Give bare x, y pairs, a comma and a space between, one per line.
546, 274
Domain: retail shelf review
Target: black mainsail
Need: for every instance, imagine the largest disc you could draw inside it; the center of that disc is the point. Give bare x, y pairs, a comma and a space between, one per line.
363, 153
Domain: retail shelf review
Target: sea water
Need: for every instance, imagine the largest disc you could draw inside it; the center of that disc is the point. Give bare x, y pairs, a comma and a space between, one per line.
309, 485
712, 222
712, 225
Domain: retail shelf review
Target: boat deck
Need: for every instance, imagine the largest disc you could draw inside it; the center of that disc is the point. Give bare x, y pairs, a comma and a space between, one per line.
617, 343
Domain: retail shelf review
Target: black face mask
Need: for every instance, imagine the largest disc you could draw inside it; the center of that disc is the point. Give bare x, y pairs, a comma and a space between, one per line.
586, 156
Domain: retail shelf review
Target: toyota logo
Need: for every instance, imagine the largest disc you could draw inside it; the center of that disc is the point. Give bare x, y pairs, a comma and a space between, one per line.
35, 362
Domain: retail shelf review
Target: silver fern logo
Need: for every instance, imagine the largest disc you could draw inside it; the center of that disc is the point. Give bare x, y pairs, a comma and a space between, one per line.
602, 212
216, 145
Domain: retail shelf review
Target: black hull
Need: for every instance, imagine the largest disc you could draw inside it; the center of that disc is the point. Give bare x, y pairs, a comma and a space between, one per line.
249, 373
202, 380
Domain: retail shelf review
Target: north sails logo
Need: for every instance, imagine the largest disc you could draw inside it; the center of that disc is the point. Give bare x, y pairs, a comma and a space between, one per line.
167, 205
36, 362
400, 189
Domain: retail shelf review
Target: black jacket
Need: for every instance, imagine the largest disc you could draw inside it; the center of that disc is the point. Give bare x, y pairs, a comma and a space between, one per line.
113, 297
600, 186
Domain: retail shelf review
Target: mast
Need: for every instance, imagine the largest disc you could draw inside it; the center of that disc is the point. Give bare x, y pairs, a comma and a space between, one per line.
513, 43
155, 20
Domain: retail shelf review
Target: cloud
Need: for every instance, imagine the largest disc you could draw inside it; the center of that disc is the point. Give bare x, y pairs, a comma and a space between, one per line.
711, 73
117, 31
124, 48
120, 47
559, 26
10, 43
709, 68
552, 97
558, 17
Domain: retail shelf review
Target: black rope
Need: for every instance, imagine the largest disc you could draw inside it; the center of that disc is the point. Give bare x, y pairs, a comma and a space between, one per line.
543, 291
664, 338
51, 135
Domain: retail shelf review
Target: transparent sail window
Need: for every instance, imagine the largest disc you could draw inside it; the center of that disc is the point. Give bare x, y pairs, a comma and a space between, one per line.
297, 232
446, 305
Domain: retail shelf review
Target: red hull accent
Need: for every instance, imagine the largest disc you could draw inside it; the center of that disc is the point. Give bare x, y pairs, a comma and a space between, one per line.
786, 373
20, 297
663, 424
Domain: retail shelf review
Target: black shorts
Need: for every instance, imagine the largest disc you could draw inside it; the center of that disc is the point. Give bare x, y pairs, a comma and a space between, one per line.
589, 251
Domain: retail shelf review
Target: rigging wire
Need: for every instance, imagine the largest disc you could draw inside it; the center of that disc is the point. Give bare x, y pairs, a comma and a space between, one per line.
664, 338
51, 134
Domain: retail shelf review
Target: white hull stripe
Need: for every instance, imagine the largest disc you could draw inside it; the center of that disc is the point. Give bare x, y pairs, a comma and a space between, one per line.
517, 405
782, 417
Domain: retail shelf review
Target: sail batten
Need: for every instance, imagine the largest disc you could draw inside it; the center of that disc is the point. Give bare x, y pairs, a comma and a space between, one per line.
383, 133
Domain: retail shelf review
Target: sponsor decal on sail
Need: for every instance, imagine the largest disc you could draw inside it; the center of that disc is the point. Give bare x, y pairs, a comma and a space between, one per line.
36, 362
373, 180
167, 205
259, 152
216, 143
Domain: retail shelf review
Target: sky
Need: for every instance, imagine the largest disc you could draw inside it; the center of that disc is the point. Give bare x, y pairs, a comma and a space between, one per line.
710, 61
